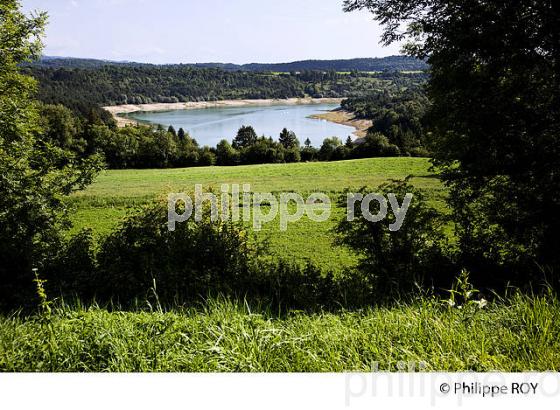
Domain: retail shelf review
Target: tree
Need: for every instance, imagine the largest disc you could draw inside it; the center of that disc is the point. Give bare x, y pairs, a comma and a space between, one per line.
35, 174
328, 148
207, 157
157, 149
307, 143
292, 155
121, 148
288, 139
246, 136
171, 130
375, 144
495, 121
264, 151
349, 142
61, 127
181, 134
226, 154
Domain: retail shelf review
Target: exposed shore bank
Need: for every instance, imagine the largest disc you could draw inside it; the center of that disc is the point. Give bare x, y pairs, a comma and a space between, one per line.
118, 110
346, 118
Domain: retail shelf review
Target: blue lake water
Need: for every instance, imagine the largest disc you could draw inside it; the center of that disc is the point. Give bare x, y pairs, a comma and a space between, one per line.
210, 125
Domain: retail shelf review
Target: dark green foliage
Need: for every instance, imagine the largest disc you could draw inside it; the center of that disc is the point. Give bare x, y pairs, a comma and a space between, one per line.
399, 117
246, 136
82, 89
109, 85
226, 154
292, 155
329, 148
62, 128
288, 139
375, 145
495, 116
263, 151
309, 153
37, 170
207, 157
394, 263
191, 261
73, 267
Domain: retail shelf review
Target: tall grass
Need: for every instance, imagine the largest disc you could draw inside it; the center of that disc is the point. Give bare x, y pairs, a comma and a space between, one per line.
518, 334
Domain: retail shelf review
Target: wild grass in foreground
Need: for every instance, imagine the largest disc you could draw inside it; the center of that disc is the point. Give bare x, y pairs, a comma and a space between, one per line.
520, 334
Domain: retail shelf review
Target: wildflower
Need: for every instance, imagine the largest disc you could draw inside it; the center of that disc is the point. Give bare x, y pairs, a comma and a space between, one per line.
482, 303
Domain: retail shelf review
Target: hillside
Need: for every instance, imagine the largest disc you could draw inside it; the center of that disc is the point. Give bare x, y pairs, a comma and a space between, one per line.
392, 63
116, 84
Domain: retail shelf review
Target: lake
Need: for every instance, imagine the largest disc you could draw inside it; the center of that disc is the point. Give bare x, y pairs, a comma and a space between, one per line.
210, 125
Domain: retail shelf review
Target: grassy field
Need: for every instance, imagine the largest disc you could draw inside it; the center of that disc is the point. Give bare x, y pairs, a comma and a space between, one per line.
519, 335
115, 193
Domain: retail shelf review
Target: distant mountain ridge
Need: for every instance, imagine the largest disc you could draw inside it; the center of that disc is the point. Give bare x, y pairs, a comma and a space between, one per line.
392, 63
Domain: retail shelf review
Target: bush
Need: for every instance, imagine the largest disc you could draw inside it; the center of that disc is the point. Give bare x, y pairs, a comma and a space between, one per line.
396, 262
143, 260
196, 258
71, 272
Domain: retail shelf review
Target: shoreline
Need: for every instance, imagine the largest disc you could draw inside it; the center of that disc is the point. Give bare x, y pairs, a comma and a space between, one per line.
118, 110
337, 116
343, 117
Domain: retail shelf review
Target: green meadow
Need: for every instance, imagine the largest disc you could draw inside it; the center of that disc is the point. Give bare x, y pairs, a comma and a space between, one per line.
117, 192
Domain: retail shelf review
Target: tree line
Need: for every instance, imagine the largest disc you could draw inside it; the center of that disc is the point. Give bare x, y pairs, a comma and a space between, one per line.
399, 118
143, 146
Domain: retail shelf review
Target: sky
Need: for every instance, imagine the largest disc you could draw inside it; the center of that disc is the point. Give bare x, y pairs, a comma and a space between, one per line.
200, 31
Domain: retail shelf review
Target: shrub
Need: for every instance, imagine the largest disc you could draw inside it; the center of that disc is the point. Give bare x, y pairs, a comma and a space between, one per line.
196, 258
395, 262
142, 260
71, 272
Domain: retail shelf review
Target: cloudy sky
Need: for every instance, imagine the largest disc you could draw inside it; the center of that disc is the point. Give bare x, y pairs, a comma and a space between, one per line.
187, 31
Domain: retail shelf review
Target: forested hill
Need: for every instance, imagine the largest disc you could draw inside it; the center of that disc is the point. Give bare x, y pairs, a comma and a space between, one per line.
81, 88
392, 63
